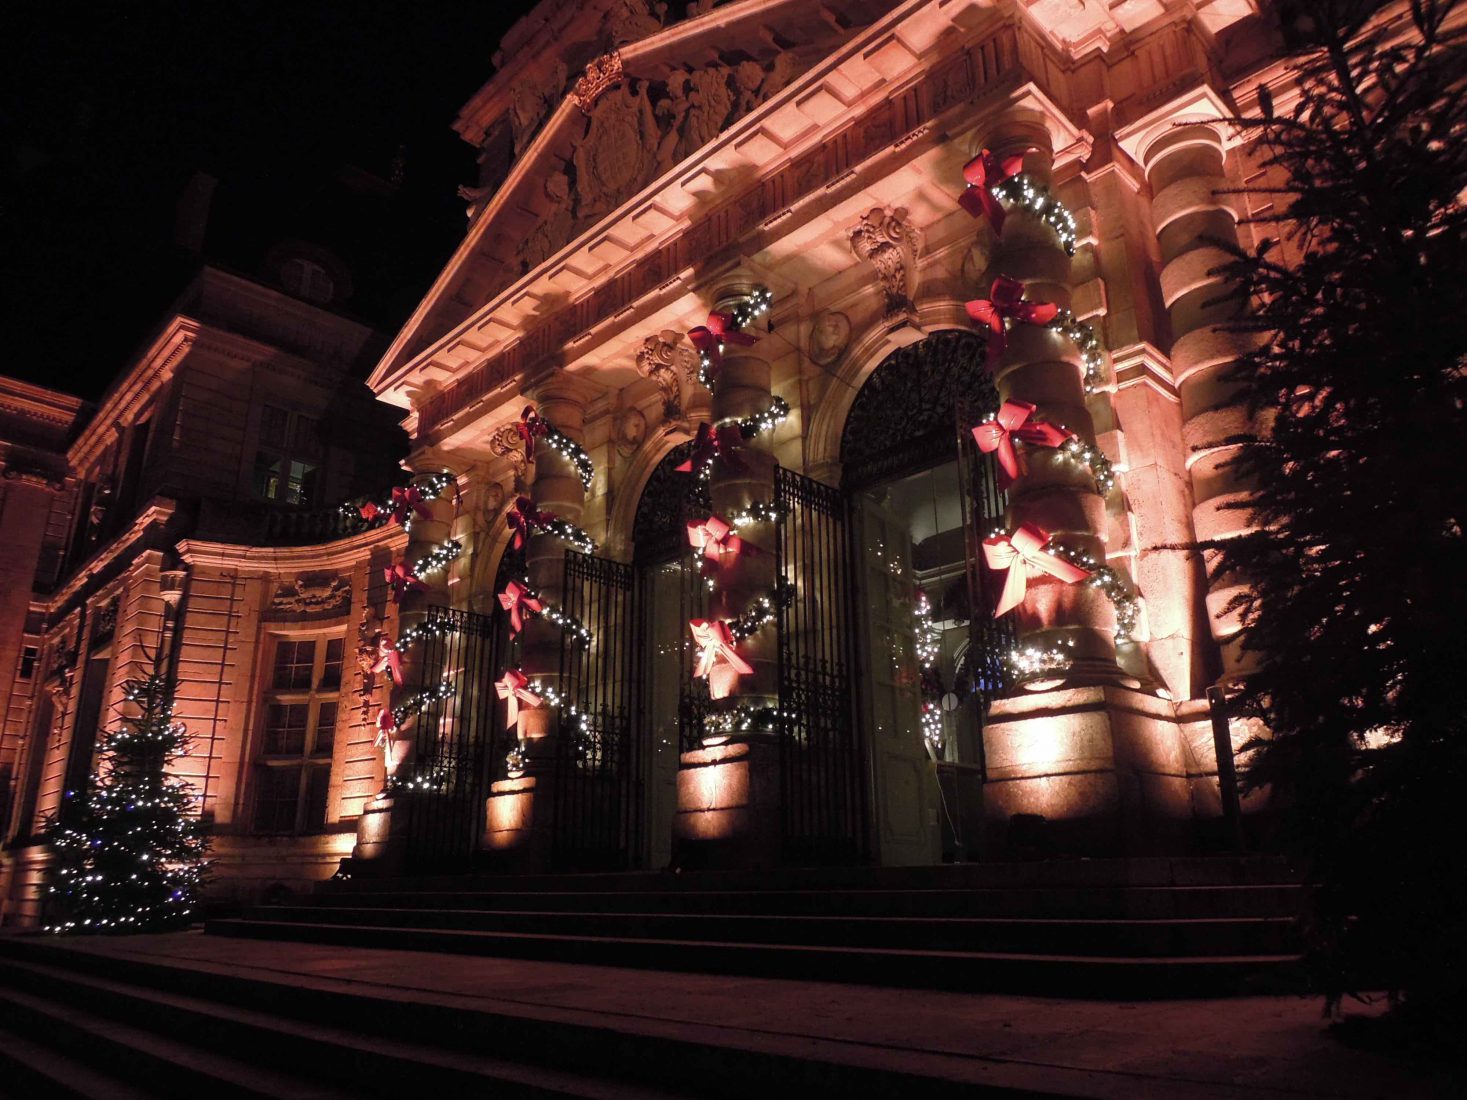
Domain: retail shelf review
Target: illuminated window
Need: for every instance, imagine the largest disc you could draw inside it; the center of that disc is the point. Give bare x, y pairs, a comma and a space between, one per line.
293, 768
286, 462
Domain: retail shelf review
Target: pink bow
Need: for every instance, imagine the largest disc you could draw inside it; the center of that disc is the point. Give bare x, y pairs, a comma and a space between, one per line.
1007, 301
369, 511
385, 727
718, 661
402, 579
1022, 553
524, 517
982, 174
713, 538
710, 443
514, 689
709, 339
530, 426
1015, 420
407, 500
389, 660
517, 599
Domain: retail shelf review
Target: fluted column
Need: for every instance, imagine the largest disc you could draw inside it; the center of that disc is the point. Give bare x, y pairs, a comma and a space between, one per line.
1043, 367
1194, 223
555, 486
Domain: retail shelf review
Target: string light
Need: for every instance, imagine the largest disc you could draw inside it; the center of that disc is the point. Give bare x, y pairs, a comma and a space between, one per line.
438, 558
1023, 192
1031, 661
372, 512
1127, 605
1092, 357
570, 533
744, 311
928, 648
761, 511
428, 628
569, 449
743, 718
416, 702
561, 618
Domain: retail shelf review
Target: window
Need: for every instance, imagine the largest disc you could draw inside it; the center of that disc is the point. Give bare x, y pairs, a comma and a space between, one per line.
293, 769
307, 280
28, 657
287, 459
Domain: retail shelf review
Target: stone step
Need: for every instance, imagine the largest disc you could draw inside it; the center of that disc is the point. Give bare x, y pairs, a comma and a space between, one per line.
193, 1045
1073, 873
1114, 977
1129, 938
30, 1069
645, 1056
163, 1065
1135, 902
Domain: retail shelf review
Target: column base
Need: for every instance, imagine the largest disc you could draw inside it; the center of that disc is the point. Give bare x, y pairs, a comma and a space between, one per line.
1094, 771
728, 806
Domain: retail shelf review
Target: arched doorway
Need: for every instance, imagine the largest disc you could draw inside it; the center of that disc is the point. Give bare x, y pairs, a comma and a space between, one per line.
670, 592
921, 496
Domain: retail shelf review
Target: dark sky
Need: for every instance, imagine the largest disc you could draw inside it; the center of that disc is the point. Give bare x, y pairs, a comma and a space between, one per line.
108, 108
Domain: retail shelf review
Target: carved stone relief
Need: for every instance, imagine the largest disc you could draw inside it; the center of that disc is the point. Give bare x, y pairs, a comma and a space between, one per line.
533, 102
312, 594
602, 73
886, 240
505, 442
672, 364
615, 156
554, 230
626, 21
631, 429
830, 332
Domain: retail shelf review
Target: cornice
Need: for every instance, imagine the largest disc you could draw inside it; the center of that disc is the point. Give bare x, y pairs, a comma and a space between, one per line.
339, 554
156, 515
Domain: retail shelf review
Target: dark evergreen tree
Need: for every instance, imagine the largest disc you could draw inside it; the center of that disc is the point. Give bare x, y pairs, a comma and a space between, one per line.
1359, 490
129, 848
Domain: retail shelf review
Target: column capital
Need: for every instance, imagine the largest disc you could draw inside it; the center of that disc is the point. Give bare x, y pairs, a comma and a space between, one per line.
1158, 129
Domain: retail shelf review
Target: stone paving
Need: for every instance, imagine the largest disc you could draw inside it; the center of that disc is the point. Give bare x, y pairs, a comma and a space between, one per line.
1240, 1047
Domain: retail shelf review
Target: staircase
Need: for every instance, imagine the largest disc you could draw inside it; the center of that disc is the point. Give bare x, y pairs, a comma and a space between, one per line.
1114, 929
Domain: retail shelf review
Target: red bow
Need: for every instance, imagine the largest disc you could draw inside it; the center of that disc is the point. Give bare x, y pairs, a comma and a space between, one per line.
710, 443
713, 538
402, 579
718, 661
983, 173
389, 660
530, 427
1016, 421
514, 689
524, 517
1007, 301
709, 339
407, 500
385, 728
1022, 553
370, 511
516, 599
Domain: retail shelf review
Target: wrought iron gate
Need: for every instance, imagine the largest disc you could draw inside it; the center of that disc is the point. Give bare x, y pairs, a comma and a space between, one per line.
447, 782
597, 801
989, 640
822, 788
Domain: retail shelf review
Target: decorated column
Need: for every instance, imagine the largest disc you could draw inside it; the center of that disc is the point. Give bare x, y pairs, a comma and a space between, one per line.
728, 789
1194, 225
1042, 360
558, 492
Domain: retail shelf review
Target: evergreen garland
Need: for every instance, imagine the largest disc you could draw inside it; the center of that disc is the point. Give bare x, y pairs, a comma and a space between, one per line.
129, 848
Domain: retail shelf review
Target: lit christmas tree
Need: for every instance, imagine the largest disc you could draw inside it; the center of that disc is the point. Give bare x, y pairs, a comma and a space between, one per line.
129, 853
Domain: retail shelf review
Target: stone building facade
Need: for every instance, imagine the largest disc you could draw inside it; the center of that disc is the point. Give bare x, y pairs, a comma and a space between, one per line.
645, 168
192, 521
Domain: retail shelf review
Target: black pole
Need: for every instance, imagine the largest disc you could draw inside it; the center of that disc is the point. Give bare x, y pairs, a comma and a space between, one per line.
1227, 772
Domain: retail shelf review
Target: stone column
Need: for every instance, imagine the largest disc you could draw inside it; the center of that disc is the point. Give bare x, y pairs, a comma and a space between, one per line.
1185, 169
1043, 367
728, 791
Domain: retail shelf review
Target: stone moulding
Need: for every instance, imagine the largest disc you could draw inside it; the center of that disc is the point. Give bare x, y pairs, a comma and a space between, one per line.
981, 67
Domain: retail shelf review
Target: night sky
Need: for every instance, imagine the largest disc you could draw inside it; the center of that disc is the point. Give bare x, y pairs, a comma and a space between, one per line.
108, 109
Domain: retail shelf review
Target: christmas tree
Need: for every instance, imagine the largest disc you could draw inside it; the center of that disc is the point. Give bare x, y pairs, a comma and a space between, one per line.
1357, 490
129, 850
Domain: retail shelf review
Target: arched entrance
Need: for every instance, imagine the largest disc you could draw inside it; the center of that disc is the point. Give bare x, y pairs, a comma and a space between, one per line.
669, 593
931, 657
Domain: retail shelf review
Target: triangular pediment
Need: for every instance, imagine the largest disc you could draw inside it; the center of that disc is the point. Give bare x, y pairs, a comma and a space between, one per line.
564, 147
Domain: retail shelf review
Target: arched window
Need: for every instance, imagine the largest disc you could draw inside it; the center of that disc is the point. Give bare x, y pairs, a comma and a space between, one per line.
307, 280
